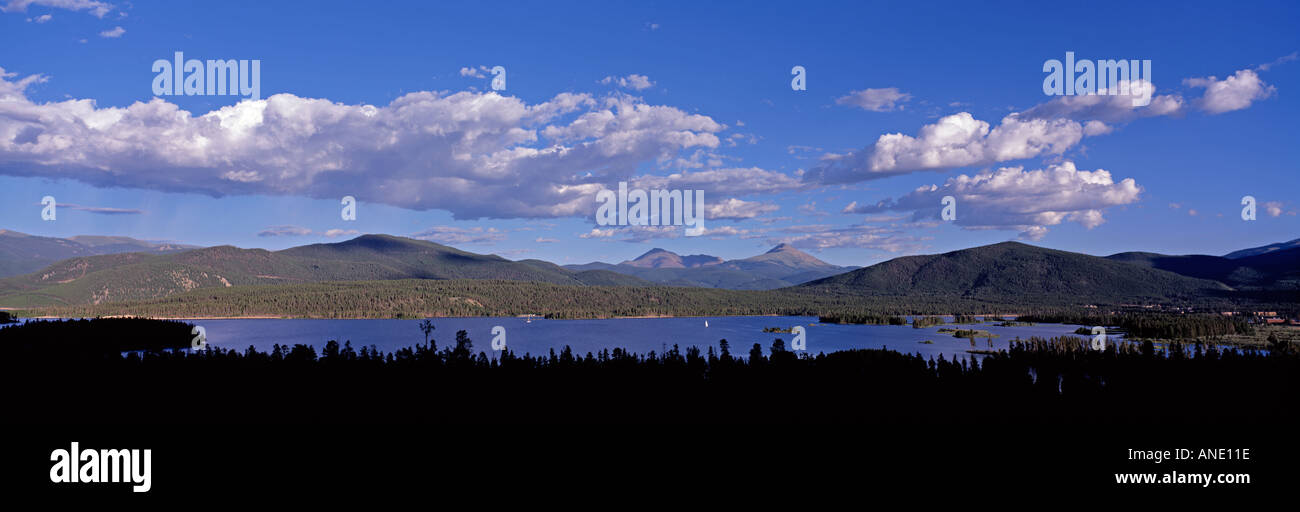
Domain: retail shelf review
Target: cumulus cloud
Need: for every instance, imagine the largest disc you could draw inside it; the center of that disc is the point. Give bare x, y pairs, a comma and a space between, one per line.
41, 19
956, 140
1110, 108
1011, 198
479, 72
1047, 129
735, 209
473, 154
598, 233
1236, 92
115, 32
1274, 208
633, 81
97, 9
875, 100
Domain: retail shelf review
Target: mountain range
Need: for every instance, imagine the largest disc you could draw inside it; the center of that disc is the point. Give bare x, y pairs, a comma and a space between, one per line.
1008, 272
21, 253
779, 267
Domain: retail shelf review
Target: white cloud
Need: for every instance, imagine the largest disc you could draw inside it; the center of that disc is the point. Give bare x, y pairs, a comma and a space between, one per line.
811, 209
1274, 208
453, 235
740, 181
1095, 128
115, 32
1048, 129
335, 233
598, 233
956, 140
1236, 92
817, 238
633, 81
290, 230
479, 72
41, 19
473, 154
1280, 60
634, 234
13, 91
875, 100
1014, 199
285, 230
735, 209
1110, 108
97, 9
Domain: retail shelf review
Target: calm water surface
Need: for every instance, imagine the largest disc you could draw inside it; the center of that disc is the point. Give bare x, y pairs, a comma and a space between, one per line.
639, 335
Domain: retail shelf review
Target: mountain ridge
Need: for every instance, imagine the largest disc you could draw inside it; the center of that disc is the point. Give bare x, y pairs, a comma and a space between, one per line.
22, 253
1006, 271
1015, 271
783, 265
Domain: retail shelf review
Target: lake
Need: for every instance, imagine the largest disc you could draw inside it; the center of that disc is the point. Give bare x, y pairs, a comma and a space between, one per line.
640, 335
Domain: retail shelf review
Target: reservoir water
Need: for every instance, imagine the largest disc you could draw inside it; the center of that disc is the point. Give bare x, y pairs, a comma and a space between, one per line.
640, 335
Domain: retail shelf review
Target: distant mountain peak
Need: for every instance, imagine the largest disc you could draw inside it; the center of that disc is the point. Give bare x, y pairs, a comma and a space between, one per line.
663, 258
789, 256
654, 251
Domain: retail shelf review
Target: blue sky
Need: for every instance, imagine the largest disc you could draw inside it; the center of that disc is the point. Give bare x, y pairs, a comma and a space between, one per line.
392, 104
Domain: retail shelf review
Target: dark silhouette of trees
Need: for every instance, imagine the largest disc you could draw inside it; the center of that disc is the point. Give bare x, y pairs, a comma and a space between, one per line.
426, 327
74, 371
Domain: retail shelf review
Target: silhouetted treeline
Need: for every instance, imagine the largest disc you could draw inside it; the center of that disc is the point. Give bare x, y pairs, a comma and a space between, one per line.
1054, 381
1153, 325
6, 318
95, 337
